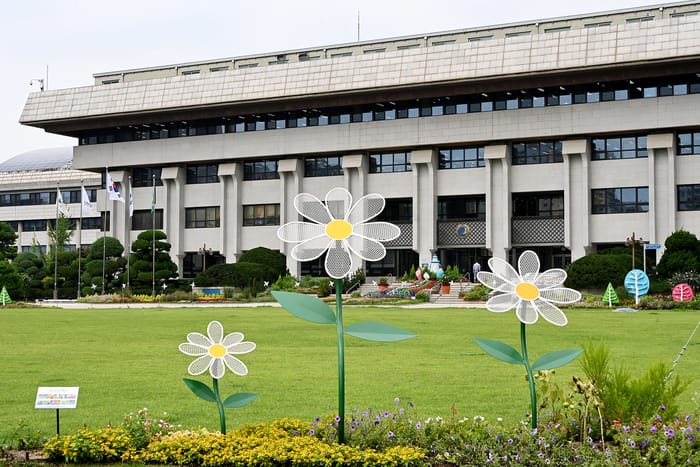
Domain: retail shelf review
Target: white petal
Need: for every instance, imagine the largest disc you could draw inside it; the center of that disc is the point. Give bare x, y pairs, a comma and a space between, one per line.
311, 249
382, 231
561, 295
529, 265
215, 331
526, 312
217, 368
502, 302
295, 232
232, 339
241, 348
338, 202
495, 282
550, 312
312, 208
504, 270
235, 365
197, 338
366, 208
339, 261
200, 365
550, 278
366, 248
193, 350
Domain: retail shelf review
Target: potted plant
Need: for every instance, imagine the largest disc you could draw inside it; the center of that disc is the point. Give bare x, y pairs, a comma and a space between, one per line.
383, 284
451, 274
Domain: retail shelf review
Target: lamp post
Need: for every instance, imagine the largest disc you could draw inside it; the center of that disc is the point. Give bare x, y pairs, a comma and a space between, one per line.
633, 242
204, 251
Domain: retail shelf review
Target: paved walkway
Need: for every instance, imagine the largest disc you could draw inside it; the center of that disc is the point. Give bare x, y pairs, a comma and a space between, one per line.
77, 305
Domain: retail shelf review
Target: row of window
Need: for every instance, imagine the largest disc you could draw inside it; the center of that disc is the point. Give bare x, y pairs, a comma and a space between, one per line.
38, 198
449, 105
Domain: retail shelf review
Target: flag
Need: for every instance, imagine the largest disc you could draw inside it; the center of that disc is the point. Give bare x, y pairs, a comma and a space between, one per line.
87, 209
131, 200
60, 205
112, 189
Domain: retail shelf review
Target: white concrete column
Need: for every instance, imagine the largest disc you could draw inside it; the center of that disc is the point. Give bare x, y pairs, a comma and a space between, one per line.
498, 200
291, 175
662, 188
424, 164
355, 174
231, 210
119, 212
577, 197
172, 201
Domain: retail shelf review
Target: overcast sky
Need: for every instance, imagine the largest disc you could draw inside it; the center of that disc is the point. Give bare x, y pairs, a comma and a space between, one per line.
76, 38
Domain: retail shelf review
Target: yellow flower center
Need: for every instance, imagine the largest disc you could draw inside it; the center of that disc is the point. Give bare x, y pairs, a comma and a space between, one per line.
339, 229
217, 350
527, 291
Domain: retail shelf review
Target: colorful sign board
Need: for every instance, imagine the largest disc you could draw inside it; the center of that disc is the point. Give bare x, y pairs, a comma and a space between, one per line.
56, 398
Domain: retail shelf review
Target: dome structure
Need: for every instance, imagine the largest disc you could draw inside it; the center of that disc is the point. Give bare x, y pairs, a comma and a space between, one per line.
39, 160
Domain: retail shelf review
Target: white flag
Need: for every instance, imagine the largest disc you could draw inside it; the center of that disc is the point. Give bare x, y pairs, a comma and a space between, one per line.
131, 200
87, 209
60, 205
112, 189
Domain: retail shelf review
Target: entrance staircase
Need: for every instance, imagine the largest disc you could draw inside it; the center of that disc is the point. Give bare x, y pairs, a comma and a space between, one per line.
451, 298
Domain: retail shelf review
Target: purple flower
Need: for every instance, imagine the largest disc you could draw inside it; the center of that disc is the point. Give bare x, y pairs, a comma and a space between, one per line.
510, 441
663, 448
312, 432
318, 420
540, 455
418, 425
663, 407
390, 435
396, 401
386, 414
517, 458
653, 429
669, 433
337, 419
401, 411
632, 444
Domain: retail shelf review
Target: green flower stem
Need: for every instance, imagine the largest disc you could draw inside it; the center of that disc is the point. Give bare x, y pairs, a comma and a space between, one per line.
530, 378
341, 359
220, 404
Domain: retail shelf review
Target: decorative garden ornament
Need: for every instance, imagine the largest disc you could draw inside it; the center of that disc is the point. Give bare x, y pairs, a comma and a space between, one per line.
215, 352
341, 229
531, 294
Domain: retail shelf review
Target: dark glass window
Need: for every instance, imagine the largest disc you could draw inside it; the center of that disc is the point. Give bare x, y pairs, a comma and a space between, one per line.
206, 173
625, 147
143, 176
397, 210
92, 223
388, 162
263, 169
620, 200
461, 158
459, 208
688, 143
545, 205
323, 166
202, 218
537, 152
35, 225
261, 214
143, 219
688, 197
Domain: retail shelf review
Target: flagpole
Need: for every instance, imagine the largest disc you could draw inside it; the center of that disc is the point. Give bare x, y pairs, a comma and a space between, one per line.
55, 253
128, 234
104, 231
80, 234
153, 245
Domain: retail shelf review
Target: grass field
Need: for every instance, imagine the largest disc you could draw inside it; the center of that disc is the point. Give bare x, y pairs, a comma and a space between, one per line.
127, 359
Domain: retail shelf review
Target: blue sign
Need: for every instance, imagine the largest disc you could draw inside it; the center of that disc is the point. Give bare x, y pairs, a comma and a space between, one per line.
652, 246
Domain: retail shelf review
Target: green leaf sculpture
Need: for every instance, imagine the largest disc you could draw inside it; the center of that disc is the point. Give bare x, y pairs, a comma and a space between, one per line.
610, 297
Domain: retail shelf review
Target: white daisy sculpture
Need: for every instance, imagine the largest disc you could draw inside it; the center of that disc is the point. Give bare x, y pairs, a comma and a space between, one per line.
532, 294
215, 352
342, 230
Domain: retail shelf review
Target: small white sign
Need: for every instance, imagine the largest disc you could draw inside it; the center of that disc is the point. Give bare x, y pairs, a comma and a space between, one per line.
56, 398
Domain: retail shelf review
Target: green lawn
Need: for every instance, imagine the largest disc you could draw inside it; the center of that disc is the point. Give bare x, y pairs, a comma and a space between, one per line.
127, 359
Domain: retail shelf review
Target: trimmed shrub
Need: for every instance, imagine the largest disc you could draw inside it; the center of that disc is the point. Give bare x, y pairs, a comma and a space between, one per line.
261, 255
594, 271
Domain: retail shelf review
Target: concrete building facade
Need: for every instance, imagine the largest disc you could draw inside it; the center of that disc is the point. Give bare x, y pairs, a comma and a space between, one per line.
563, 139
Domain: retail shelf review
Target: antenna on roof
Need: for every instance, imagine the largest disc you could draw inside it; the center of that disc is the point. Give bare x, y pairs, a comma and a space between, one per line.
43, 82
358, 25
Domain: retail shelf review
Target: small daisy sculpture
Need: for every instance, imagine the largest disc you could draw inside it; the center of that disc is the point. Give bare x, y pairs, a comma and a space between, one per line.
532, 294
215, 352
344, 232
